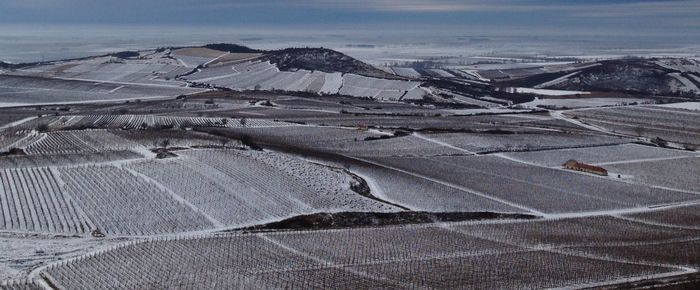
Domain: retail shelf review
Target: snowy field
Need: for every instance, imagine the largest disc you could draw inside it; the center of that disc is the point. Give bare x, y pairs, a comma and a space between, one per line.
672, 124
131, 122
599, 155
533, 188
406, 72
29, 90
545, 92
395, 257
314, 178
483, 143
241, 188
573, 103
425, 194
150, 68
350, 141
666, 173
266, 76
691, 106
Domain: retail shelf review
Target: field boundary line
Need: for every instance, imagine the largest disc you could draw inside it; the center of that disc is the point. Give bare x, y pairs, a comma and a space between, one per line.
18, 122
461, 188
627, 280
560, 116
444, 144
334, 265
647, 160
118, 83
572, 253
115, 89
217, 224
622, 211
652, 223
530, 183
69, 198
215, 59
618, 180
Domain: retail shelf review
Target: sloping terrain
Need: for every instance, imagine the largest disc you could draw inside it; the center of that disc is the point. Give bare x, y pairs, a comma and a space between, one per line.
637, 76
322, 59
307, 169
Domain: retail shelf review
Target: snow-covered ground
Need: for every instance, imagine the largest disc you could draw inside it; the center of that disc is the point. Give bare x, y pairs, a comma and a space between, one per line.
685, 84
21, 254
678, 64
584, 102
9, 105
255, 75
441, 73
692, 106
545, 92
555, 81
406, 72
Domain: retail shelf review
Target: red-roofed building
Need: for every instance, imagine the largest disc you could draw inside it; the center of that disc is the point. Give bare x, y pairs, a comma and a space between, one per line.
579, 166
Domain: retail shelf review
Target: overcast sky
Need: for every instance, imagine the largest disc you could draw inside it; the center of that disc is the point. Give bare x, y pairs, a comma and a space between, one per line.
33, 30
505, 17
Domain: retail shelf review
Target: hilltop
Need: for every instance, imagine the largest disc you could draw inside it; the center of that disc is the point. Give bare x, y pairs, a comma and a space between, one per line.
322, 59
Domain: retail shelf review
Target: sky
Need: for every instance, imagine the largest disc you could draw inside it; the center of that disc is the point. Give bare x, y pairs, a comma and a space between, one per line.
640, 23
582, 17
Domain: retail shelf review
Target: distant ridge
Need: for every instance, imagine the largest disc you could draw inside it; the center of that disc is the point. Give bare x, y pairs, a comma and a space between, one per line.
323, 59
232, 48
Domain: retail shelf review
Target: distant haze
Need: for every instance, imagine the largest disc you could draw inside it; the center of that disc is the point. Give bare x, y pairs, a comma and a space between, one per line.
32, 30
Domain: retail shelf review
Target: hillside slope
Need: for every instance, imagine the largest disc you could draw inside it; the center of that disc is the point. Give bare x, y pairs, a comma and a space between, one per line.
322, 59
640, 76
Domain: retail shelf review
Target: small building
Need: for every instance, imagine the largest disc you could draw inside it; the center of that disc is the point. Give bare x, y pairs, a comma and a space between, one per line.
579, 166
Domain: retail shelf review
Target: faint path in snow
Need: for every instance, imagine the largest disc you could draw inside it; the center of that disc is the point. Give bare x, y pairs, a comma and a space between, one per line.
216, 58
646, 160
652, 223
116, 89
17, 123
209, 79
467, 190
421, 136
560, 116
622, 211
121, 83
502, 155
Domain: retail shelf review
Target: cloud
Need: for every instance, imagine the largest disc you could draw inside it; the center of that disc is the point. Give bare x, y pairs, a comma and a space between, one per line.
580, 7
590, 16
615, 6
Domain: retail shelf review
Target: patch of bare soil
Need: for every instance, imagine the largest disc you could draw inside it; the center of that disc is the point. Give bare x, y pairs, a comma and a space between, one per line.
322, 221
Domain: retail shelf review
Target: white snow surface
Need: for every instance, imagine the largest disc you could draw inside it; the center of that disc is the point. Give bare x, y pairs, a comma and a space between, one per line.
692, 106
584, 102
686, 84
546, 92
267, 76
406, 72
